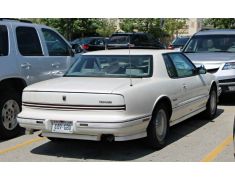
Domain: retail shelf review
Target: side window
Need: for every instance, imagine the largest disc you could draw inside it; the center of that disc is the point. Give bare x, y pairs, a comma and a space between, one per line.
170, 66
3, 41
150, 38
183, 66
55, 44
28, 41
97, 42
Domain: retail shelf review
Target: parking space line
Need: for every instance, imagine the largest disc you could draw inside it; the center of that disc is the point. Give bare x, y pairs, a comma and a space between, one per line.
215, 152
17, 146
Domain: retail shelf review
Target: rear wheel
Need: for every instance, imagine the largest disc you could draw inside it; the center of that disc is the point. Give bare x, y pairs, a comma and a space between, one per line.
158, 127
211, 106
10, 106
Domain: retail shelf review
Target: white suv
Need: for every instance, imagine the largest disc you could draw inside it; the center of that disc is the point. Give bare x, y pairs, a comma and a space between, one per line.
28, 53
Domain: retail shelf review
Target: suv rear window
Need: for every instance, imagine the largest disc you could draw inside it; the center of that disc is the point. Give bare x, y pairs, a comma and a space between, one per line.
3, 41
28, 41
119, 39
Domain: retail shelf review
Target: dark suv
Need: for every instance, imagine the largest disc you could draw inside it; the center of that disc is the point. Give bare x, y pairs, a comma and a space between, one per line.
134, 41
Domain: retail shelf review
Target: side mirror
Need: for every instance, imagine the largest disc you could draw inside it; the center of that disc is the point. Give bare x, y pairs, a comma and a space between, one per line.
201, 69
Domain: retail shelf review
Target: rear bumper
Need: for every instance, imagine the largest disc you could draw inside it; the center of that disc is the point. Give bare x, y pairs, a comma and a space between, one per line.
121, 131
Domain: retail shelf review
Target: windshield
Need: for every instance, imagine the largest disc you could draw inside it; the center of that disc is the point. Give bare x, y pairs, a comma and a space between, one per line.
112, 66
211, 43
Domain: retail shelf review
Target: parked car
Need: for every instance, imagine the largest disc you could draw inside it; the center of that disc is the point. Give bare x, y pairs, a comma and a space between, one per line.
28, 53
116, 96
179, 42
90, 43
135, 40
216, 50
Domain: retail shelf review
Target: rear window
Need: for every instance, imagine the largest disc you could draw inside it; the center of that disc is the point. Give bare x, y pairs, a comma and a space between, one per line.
122, 39
119, 66
180, 41
3, 41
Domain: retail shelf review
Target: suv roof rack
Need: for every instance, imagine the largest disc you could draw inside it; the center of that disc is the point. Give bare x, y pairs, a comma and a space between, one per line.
15, 19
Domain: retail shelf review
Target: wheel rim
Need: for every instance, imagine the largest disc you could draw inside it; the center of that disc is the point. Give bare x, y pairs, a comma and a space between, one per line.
213, 102
161, 124
9, 112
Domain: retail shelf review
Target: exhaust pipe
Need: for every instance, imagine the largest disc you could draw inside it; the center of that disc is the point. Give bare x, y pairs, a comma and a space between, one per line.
107, 137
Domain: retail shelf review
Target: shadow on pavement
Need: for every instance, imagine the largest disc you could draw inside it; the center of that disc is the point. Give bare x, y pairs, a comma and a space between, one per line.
116, 151
21, 133
227, 99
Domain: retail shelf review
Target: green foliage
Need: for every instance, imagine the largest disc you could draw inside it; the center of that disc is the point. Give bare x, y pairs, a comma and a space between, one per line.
105, 27
156, 26
80, 27
221, 23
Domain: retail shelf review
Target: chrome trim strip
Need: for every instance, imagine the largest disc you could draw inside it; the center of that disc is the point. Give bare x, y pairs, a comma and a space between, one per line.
74, 107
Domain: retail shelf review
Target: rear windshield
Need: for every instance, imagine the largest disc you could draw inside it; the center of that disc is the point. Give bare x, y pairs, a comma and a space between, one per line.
3, 41
119, 39
180, 41
136, 66
211, 43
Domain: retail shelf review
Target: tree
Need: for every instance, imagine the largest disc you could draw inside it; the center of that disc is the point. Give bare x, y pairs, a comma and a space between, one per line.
71, 27
172, 26
224, 23
106, 27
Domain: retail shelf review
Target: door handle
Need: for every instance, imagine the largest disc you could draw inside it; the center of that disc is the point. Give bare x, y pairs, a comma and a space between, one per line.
26, 65
55, 64
184, 86
57, 73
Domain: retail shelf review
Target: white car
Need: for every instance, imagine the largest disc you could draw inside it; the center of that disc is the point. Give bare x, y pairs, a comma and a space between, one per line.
120, 95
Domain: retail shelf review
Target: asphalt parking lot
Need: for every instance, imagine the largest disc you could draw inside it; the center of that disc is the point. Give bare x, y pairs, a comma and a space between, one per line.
193, 140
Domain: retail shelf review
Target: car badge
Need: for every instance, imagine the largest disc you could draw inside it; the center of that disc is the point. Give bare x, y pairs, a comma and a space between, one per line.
64, 98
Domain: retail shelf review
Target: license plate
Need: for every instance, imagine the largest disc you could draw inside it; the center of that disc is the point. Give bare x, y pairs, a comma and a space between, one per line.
231, 88
62, 126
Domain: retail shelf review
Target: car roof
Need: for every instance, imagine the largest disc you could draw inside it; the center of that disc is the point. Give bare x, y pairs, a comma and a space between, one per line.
131, 52
216, 32
128, 33
21, 22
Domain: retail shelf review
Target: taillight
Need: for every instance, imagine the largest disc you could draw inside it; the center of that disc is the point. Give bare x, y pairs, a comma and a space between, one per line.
85, 46
170, 47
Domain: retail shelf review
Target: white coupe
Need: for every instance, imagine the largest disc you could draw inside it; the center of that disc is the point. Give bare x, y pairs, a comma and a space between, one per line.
120, 95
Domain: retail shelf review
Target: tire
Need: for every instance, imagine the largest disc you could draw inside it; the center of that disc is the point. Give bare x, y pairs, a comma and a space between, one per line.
211, 106
156, 136
10, 106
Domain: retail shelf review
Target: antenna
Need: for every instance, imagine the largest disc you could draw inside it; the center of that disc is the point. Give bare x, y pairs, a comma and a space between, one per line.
130, 59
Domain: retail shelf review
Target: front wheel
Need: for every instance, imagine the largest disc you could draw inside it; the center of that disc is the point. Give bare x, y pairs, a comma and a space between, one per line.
211, 106
158, 127
9, 108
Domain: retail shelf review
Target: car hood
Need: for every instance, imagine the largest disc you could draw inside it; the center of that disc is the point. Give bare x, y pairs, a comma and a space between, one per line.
82, 84
211, 60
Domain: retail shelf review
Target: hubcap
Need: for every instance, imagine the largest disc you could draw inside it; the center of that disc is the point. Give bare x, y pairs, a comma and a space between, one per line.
213, 102
9, 113
161, 124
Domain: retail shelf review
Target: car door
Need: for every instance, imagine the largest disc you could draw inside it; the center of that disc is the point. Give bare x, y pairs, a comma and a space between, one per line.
59, 53
30, 54
177, 92
193, 84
